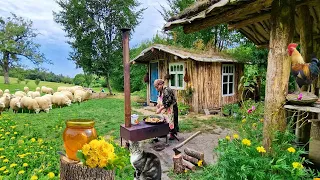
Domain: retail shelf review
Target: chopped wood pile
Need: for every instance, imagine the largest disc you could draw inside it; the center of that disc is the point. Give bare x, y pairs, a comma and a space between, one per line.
188, 160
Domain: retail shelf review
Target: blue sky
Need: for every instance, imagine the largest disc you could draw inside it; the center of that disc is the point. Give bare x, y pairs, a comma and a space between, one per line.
52, 38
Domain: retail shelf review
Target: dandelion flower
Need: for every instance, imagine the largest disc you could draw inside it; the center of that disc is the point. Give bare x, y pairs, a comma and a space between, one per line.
21, 172
297, 165
33, 139
186, 170
246, 142
25, 165
261, 149
34, 177
236, 136
200, 163
291, 149
1, 149
13, 165
1, 157
6, 160
244, 120
7, 133
261, 120
15, 133
13, 127
6, 171
254, 125
228, 138
316, 178
3, 168
51, 175
13, 137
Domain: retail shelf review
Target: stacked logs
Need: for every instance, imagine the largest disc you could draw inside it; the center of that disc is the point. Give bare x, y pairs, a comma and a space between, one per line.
188, 161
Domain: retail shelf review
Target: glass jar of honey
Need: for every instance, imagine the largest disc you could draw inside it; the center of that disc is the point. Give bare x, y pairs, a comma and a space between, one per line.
77, 133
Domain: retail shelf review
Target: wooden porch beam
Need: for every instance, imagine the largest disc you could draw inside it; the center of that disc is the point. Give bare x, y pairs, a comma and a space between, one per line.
249, 21
225, 17
278, 70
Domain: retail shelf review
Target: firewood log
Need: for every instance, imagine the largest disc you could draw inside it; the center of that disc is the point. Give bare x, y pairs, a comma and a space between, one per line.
194, 153
191, 159
178, 166
189, 165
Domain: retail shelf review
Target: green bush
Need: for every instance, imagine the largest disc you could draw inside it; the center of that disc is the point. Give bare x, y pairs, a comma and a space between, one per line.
183, 109
37, 81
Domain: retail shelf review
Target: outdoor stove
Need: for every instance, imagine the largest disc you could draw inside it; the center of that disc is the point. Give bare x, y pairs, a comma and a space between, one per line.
142, 130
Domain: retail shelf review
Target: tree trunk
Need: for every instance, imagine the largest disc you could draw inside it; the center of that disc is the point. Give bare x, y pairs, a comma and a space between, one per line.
6, 68
71, 170
282, 29
108, 84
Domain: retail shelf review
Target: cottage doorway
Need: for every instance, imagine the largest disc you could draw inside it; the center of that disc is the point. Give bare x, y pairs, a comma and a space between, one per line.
154, 73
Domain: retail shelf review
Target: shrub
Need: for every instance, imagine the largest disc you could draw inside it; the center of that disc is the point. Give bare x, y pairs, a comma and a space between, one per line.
37, 81
20, 78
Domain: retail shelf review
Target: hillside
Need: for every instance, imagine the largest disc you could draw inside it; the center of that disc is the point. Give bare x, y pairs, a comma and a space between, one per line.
14, 86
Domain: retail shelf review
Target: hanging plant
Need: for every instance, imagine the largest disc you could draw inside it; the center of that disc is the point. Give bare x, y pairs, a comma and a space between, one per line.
146, 78
186, 77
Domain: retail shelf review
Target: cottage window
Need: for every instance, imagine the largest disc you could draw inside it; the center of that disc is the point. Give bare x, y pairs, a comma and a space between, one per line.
176, 71
227, 79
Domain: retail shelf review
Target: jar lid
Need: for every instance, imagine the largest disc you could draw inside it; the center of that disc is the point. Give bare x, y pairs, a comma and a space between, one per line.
80, 122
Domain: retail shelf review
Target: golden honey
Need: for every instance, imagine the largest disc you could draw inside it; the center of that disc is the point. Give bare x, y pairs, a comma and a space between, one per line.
77, 133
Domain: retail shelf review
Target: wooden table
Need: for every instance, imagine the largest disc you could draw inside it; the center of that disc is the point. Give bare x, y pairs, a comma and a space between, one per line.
143, 131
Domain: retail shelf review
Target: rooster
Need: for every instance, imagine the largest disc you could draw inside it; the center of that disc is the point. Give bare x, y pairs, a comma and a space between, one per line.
304, 73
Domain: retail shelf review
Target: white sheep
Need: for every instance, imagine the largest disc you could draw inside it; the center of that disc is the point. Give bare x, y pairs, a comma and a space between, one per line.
48, 97
43, 104
1, 92
7, 91
20, 94
38, 89
15, 104
47, 90
26, 89
68, 94
30, 104
33, 94
60, 99
80, 96
4, 102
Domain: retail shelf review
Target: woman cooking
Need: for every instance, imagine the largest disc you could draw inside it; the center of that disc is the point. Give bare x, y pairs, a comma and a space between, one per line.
167, 104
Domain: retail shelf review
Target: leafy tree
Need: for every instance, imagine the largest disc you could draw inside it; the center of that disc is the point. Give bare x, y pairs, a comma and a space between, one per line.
79, 79
94, 27
17, 40
88, 78
37, 81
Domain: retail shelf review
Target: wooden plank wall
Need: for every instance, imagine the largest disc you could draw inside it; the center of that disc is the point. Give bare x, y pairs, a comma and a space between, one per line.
205, 78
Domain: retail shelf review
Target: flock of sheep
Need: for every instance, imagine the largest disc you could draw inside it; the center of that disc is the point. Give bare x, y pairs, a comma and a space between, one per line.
32, 100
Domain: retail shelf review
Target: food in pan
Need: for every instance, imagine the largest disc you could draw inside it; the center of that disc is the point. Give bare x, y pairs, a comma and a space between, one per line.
153, 120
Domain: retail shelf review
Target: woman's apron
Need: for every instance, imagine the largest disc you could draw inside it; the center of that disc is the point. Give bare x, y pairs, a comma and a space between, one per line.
168, 114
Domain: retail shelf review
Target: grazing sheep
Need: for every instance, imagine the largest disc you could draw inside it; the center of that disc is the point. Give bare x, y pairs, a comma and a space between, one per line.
30, 104
33, 94
68, 94
38, 89
26, 89
43, 104
5, 102
20, 94
47, 90
60, 99
80, 96
61, 88
15, 104
48, 97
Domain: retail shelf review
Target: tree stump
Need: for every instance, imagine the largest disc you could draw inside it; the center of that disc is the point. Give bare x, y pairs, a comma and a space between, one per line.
72, 170
194, 153
177, 164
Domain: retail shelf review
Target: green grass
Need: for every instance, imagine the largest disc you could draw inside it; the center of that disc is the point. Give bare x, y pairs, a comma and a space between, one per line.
13, 86
107, 113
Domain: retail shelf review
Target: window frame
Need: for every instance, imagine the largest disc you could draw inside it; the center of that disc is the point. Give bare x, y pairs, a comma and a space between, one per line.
228, 75
176, 75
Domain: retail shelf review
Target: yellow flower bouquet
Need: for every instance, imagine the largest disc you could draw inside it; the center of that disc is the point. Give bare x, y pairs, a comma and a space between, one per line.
100, 153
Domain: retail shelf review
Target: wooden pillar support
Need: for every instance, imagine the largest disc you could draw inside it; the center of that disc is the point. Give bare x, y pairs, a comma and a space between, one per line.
282, 30
314, 146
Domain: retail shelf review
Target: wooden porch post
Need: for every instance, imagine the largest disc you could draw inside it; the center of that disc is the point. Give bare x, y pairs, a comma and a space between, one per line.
282, 29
